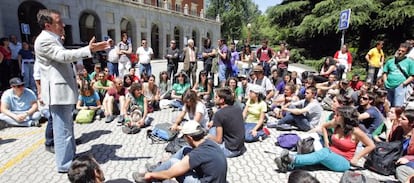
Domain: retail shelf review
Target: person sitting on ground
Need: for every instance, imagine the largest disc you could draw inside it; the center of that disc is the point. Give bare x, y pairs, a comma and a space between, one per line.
306, 114
294, 78
356, 83
88, 100
134, 77
82, 78
370, 117
127, 81
202, 162
391, 129
244, 94
96, 70
328, 69
254, 115
405, 171
152, 93
324, 87
202, 87
237, 91
193, 109
280, 88
85, 169
339, 152
381, 102
178, 89
263, 81
19, 105
342, 88
356, 96
102, 85
135, 100
114, 101
165, 85
288, 97
307, 83
227, 127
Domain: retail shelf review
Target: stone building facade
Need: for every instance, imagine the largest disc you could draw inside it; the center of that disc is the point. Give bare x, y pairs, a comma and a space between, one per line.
157, 21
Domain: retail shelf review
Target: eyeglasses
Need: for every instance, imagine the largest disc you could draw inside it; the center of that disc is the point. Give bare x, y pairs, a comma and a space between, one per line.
364, 98
106, 71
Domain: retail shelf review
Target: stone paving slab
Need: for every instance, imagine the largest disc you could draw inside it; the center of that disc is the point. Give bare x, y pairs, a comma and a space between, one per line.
120, 154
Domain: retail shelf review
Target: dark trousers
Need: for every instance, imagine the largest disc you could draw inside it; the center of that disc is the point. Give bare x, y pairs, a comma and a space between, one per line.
172, 69
49, 132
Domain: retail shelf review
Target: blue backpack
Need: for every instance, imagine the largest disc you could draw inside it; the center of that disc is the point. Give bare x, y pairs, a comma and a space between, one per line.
287, 140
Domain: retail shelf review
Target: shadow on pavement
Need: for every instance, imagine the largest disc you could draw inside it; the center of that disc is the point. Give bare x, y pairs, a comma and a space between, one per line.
119, 181
5, 141
86, 137
104, 152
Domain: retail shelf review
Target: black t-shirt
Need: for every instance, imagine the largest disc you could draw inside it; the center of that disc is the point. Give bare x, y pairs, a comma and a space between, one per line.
209, 59
231, 119
209, 162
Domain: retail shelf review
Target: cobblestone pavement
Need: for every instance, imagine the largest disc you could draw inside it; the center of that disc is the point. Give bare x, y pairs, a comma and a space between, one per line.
24, 159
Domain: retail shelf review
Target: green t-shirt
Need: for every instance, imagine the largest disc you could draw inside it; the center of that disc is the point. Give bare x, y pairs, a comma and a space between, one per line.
180, 88
106, 84
238, 92
139, 101
394, 75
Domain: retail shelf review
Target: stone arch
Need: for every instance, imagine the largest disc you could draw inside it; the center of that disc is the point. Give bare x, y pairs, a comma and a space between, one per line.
155, 40
27, 14
128, 25
89, 26
195, 35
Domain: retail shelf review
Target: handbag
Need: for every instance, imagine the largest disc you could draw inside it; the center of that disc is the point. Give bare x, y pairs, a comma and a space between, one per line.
382, 159
85, 116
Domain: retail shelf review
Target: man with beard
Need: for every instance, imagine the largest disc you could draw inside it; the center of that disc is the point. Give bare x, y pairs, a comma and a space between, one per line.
398, 74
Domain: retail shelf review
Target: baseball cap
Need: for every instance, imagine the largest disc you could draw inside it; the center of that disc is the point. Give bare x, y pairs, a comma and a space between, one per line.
15, 81
256, 88
191, 128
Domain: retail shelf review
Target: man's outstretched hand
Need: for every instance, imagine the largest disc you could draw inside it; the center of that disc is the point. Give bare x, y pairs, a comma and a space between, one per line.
94, 47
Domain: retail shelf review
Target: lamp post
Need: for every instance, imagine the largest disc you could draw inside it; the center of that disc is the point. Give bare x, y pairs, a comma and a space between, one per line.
248, 32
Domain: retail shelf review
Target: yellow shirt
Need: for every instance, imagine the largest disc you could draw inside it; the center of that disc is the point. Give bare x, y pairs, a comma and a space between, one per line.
375, 57
254, 110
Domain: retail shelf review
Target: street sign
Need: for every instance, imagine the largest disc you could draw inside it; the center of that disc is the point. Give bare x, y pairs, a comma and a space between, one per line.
25, 28
344, 18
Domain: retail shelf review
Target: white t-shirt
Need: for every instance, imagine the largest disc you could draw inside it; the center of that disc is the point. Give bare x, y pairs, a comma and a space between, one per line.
144, 54
343, 60
201, 108
112, 54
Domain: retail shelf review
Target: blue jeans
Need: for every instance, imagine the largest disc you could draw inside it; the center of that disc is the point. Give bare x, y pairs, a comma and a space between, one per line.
246, 71
325, 157
248, 137
65, 147
222, 68
190, 176
299, 121
145, 68
49, 132
113, 68
266, 67
228, 153
28, 79
396, 96
27, 122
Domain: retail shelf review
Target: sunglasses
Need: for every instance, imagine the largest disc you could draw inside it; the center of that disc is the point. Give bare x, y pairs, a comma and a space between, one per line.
364, 98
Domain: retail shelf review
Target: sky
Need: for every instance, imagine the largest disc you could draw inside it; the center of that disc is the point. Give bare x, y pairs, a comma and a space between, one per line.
263, 4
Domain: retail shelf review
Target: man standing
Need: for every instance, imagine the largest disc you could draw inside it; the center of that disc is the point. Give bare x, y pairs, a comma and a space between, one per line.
15, 47
224, 68
112, 59
172, 57
190, 61
305, 116
264, 56
58, 84
208, 54
398, 74
282, 59
228, 124
233, 58
145, 55
124, 49
375, 59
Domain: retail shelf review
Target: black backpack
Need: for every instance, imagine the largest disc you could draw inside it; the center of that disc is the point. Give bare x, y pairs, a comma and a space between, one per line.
305, 146
382, 159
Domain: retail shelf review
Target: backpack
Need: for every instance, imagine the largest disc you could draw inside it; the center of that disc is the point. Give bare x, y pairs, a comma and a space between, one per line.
175, 145
161, 132
305, 146
382, 159
355, 177
287, 140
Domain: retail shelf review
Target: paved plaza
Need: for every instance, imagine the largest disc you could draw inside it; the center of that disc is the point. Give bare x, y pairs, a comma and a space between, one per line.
24, 159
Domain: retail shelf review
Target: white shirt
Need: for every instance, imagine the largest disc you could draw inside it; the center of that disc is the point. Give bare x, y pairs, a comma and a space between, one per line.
144, 54
112, 54
15, 48
343, 60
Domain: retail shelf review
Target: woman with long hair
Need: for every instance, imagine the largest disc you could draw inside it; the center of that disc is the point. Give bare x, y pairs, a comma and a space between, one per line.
203, 87
193, 109
137, 104
246, 59
340, 151
254, 115
152, 93
89, 100
391, 129
164, 83
328, 68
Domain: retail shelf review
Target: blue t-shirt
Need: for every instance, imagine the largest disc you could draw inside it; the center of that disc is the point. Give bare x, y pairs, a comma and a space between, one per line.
16, 103
281, 87
26, 54
370, 124
89, 100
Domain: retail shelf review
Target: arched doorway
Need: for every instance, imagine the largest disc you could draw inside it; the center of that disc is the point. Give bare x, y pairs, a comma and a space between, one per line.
195, 38
27, 14
126, 27
177, 37
89, 26
155, 40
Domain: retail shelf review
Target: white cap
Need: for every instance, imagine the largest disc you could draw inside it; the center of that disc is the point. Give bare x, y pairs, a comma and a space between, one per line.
191, 127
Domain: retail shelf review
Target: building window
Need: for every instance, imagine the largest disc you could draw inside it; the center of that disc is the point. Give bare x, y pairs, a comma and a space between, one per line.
110, 18
64, 11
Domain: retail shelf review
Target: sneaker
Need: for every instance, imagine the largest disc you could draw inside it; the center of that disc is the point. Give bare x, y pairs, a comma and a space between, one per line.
266, 131
109, 119
120, 119
151, 167
36, 123
97, 117
283, 161
138, 177
50, 149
